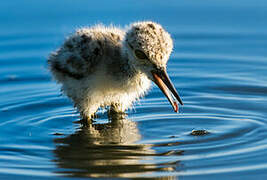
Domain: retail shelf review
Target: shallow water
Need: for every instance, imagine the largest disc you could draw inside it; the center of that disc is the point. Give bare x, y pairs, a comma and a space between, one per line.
219, 66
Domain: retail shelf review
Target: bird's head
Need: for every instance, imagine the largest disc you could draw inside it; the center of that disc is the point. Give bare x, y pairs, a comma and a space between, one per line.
148, 47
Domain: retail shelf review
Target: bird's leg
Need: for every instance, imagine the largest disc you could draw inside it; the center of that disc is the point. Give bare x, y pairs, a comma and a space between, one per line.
115, 116
115, 112
115, 108
86, 120
87, 112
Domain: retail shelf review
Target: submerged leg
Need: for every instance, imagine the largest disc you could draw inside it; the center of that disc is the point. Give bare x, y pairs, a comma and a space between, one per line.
115, 112
88, 115
86, 120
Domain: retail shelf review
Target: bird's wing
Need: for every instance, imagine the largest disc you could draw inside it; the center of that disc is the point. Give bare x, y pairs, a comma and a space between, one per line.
82, 51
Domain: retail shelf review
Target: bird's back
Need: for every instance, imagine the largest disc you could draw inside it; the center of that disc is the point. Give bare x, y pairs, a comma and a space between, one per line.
80, 54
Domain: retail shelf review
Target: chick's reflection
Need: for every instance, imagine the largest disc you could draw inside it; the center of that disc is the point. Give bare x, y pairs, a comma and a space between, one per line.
105, 150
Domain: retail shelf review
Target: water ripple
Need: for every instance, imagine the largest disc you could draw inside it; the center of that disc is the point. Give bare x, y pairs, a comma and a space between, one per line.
221, 77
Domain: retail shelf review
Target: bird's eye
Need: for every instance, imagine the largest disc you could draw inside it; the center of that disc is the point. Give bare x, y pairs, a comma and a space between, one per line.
140, 54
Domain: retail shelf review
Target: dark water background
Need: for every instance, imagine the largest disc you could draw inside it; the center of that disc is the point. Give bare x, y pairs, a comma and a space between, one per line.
219, 66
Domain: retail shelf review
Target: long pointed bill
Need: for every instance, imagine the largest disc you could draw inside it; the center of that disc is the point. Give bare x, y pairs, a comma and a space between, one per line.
163, 81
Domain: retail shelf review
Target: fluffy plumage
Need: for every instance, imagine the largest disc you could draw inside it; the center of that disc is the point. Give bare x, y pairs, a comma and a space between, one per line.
98, 66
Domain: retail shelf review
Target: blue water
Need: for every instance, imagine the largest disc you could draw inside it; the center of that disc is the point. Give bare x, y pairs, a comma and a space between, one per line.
219, 66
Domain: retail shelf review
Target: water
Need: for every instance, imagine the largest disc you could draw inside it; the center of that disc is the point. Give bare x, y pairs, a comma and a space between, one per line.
219, 66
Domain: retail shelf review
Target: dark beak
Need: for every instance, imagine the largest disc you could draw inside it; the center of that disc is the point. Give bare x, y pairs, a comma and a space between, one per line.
163, 81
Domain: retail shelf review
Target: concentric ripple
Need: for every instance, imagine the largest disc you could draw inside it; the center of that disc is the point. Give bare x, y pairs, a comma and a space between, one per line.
221, 77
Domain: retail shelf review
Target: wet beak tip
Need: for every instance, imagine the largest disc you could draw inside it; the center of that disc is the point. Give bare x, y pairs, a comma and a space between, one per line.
164, 83
176, 109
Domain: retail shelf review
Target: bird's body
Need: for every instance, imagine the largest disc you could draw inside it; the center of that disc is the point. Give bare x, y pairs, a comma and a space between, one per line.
96, 69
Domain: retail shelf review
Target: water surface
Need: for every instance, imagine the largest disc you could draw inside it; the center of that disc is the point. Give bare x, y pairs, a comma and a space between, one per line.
219, 66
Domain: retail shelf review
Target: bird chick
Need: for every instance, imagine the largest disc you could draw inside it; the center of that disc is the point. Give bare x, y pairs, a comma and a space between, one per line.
109, 67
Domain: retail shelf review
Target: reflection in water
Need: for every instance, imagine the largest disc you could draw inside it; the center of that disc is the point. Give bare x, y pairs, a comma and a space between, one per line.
107, 150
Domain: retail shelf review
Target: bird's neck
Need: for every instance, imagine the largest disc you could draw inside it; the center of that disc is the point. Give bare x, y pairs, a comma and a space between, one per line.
128, 62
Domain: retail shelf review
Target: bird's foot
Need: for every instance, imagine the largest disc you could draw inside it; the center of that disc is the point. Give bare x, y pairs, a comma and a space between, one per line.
113, 114
87, 120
